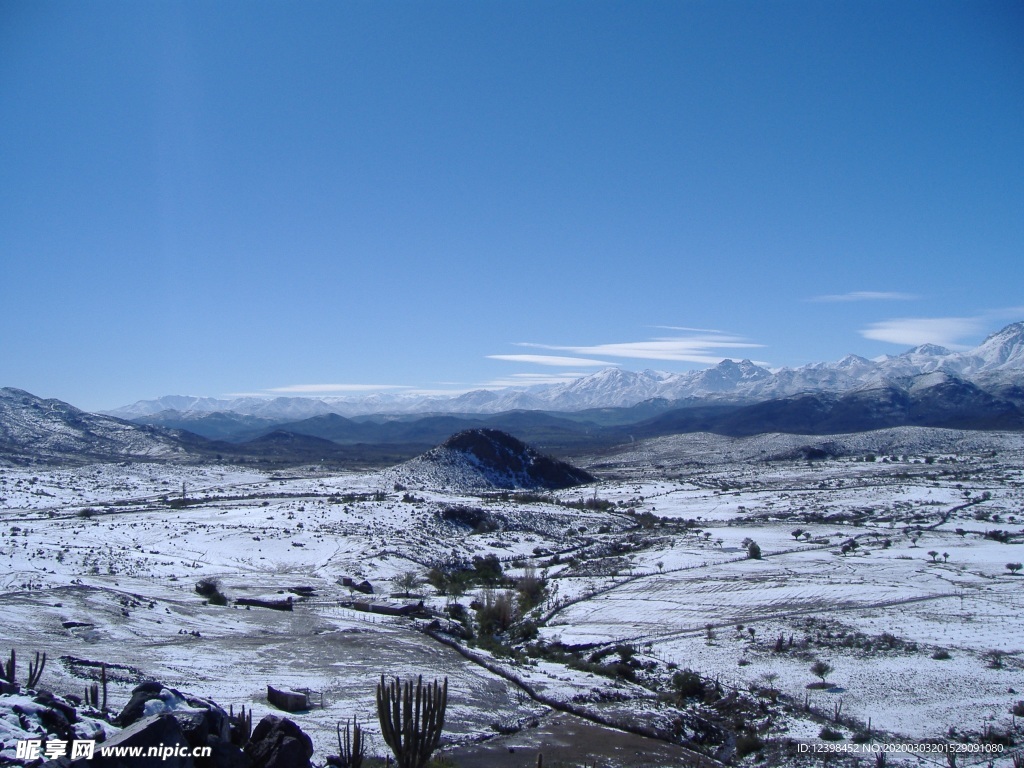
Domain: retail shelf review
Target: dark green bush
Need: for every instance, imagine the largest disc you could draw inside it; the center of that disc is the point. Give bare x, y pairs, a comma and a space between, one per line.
747, 743
688, 684
209, 588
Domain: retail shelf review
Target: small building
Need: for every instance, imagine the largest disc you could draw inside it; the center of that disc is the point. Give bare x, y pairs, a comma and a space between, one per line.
364, 586
289, 701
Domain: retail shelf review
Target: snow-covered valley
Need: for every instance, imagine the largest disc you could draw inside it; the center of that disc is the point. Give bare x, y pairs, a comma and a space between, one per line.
888, 562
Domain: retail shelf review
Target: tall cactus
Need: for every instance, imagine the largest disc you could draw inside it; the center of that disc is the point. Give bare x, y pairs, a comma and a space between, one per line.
411, 719
35, 670
92, 692
240, 726
351, 746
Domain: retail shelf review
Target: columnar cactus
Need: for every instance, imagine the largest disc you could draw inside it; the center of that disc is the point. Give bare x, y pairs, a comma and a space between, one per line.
351, 746
411, 719
35, 670
92, 692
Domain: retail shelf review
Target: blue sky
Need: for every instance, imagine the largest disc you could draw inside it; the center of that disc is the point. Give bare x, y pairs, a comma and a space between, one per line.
225, 197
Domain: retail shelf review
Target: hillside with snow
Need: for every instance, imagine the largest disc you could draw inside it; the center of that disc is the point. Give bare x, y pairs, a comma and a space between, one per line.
34, 430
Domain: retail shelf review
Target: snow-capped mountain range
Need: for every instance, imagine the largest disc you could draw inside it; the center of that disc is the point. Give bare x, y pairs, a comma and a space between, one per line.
995, 364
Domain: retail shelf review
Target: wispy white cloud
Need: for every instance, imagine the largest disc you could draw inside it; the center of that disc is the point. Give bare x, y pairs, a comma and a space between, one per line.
704, 348
529, 379
441, 392
1004, 314
685, 328
550, 360
867, 296
912, 331
321, 388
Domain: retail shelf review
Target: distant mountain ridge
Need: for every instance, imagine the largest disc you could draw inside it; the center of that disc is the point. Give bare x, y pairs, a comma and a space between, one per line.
928, 386
996, 362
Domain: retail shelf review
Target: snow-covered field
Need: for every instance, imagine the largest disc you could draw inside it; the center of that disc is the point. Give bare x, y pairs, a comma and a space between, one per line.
101, 564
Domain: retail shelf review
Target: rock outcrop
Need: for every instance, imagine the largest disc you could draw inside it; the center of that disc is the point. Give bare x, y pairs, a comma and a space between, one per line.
487, 459
155, 716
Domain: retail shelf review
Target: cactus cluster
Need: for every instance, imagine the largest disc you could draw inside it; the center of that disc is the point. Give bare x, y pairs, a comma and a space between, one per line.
241, 725
35, 670
411, 718
351, 745
92, 692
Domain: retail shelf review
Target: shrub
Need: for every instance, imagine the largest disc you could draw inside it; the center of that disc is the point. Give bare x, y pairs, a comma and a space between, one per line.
497, 613
830, 734
457, 611
821, 669
488, 569
531, 588
747, 743
688, 684
209, 588
524, 631
438, 578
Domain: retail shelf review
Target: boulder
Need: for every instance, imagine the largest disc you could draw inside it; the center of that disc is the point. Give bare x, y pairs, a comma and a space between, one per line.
224, 755
156, 730
198, 718
277, 742
135, 708
46, 698
156, 716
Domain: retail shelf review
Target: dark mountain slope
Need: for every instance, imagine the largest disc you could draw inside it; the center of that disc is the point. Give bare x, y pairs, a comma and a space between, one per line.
486, 459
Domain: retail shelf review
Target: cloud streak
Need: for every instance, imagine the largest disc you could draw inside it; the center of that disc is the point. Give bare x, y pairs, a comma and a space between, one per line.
321, 388
685, 328
912, 331
866, 296
531, 379
550, 360
704, 348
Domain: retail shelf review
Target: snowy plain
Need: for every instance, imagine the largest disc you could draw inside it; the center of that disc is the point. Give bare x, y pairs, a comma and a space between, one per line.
101, 564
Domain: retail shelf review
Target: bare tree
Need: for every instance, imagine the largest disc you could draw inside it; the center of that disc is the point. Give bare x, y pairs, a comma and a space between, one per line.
407, 582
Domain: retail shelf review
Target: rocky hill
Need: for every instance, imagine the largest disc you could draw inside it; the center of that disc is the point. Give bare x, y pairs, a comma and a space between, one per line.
36, 430
486, 459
